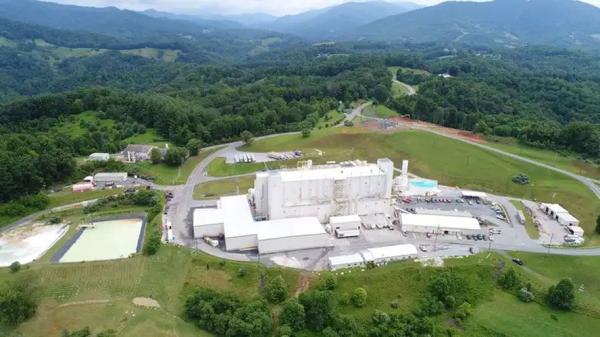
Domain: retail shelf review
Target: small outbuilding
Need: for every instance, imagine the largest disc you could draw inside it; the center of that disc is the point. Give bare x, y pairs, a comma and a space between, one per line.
381, 255
99, 156
346, 261
346, 225
83, 187
110, 177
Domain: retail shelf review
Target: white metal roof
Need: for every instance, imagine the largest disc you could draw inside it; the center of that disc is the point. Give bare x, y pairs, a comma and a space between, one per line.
576, 230
106, 175
208, 216
345, 260
388, 252
333, 220
99, 154
330, 172
282, 228
556, 208
237, 216
473, 194
237, 219
441, 221
443, 212
567, 217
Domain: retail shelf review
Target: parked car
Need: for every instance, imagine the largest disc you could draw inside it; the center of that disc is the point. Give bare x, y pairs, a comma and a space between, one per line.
518, 261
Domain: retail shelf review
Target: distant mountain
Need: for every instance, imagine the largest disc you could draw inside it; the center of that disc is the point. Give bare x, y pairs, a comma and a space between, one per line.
563, 23
336, 21
251, 19
107, 21
223, 22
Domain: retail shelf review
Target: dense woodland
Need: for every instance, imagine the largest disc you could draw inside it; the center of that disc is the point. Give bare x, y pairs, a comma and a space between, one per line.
542, 96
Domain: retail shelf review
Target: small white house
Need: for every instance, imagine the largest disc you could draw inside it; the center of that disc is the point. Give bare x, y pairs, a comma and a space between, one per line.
99, 156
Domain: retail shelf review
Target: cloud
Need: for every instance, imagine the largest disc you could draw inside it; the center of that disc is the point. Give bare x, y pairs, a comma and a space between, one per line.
276, 7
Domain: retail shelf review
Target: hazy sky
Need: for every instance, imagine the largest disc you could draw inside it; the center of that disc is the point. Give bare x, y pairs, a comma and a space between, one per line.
276, 7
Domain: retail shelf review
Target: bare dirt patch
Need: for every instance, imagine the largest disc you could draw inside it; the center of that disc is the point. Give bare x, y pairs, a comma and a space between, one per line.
146, 302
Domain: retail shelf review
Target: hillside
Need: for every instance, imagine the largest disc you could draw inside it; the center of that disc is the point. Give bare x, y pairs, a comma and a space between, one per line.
564, 23
338, 20
107, 20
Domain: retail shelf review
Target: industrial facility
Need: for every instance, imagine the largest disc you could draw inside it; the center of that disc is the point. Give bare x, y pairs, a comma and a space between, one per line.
233, 220
294, 204
348, 188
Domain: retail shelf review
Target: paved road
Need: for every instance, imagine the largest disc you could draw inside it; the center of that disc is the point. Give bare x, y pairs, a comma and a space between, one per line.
409, 89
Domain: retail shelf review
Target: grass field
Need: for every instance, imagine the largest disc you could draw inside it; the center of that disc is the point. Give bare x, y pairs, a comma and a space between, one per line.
452, 162
219, 188
150, 137
164, 174
165, 55
397, 88
559, 160
380, 111
219, 168
506, 316
69, 197
529, 225
72, 126
330, 119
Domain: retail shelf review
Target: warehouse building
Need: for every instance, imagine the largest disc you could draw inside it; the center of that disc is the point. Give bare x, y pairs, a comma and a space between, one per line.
110, 177
233, 219
558, 213
348, 188
440, 224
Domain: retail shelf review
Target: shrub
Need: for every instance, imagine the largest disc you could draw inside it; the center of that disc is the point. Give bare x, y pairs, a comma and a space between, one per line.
521, 179
509, 280
359, 297
242, 272
284, 331
395, 304
292, 315
15, 267
562, 295
380, 317
152, 244
525, 295
330, 282
16, 304
306, 132
276, 290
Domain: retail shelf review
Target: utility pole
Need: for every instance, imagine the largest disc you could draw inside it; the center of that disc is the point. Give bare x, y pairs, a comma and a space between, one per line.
550, 244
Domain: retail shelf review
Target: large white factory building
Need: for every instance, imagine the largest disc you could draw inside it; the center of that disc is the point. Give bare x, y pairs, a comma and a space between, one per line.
347, 188
294, 203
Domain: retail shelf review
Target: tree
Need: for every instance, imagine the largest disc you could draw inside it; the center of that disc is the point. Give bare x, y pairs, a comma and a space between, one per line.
16, 304
306, 132
509, 279
193, 146
359, 297
598, 225
562, 295
319, 308
330, 282
463, 311
247, 137
292, 315
284, 331
175, 156
15, 267
155, 156
276, 290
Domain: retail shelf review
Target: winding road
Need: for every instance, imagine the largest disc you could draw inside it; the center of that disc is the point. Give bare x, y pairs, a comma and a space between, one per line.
180, 208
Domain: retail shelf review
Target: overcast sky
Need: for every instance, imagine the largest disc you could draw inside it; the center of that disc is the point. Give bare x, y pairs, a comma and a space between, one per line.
275, 7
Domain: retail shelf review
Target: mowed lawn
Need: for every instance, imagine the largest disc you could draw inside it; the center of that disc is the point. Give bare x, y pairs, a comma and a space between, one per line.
219, 168
380, 111
99, 294
164, 174
452, 162
223, 187
70, 197
562, 161
506, 316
